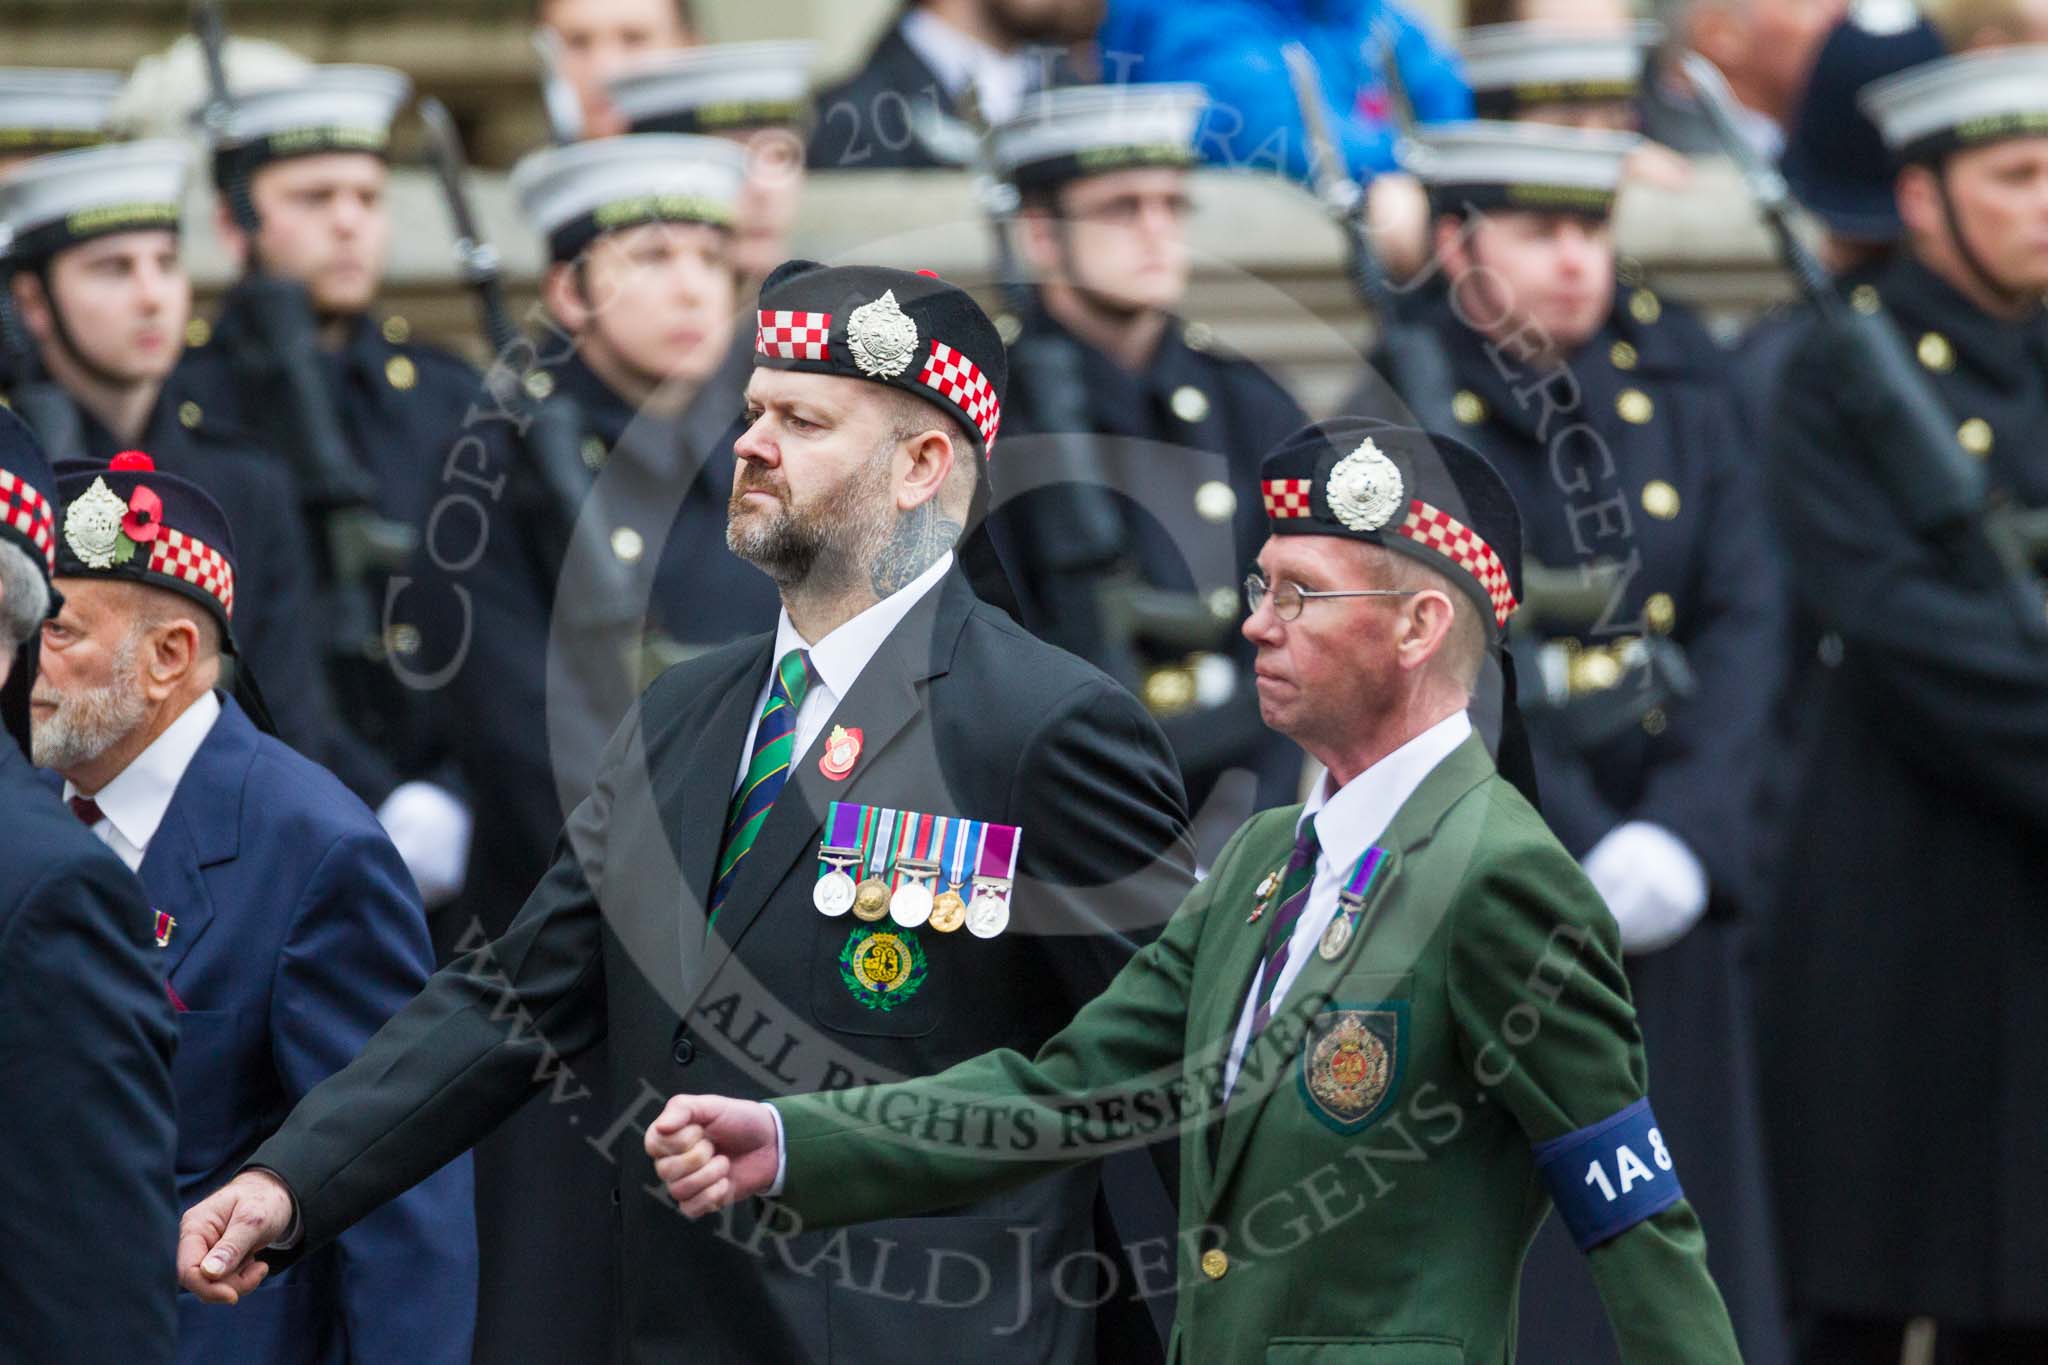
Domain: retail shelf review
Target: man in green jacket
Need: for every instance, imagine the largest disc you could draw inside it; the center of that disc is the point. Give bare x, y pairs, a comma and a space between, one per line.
1392, 1025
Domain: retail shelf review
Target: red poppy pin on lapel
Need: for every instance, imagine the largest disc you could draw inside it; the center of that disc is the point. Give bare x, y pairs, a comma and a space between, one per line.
842, 751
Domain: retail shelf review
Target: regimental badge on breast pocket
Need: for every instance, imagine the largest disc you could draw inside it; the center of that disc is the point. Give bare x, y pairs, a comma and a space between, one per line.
1351, 1063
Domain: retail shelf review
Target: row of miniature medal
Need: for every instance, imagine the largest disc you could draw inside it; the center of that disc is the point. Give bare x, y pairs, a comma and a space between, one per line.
900, 856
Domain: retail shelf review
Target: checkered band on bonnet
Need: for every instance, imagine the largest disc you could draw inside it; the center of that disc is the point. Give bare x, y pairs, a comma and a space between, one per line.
177, 555
792, 335
1286, 498
1451, 538
30, 513
962, 384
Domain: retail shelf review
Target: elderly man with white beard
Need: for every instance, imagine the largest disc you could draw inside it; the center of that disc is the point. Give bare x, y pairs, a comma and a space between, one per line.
286, 926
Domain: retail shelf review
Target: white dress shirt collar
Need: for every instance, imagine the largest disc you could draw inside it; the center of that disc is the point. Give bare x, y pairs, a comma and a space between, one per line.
1000, 79
839, 658
1349, 820
135, 801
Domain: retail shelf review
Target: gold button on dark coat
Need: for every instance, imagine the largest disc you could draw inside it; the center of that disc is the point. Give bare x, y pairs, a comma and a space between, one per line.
401, 373
397, 330
1189, 403
189, 414
1645, 307
1468, 407
1215, 1264
1660, 500
1622, 355
627, 545
1975, 436
1635, 406
1935, 352
539, 384
1215, 501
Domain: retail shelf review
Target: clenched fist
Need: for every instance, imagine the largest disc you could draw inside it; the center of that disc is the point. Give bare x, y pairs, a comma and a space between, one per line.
221, 1234
711, 1151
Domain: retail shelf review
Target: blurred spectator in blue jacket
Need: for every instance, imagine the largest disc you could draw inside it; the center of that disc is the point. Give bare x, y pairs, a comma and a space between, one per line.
1233, 48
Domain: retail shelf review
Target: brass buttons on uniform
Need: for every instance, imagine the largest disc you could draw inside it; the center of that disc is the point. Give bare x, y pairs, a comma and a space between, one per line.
1225, 603
1660, 500
1198, 336
1215, 1264
1935, 352
1661, 613
397, 330
1655, 722
402, 640
1189, 404
1592, 670
401, 373
627, 545
1644, 307
1168, 690
1214, 501
1635, 406
539, 384
1622, 355
189, 415
1975, 436
1863, 298
1008, 328
198, 332
1468, 407
593, 453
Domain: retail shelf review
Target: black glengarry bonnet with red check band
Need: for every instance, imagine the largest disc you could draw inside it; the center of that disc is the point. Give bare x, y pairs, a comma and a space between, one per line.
1420, 494
908, 330
128, 520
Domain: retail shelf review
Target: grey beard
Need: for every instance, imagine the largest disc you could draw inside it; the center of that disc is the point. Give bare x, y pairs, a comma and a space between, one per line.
88, 723
824, 547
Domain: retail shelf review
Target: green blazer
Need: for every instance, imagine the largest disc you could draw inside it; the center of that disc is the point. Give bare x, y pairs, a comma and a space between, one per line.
1370, 1189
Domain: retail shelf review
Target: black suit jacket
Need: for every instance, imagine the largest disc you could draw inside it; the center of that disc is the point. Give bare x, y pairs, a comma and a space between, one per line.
962, 713
87, 1202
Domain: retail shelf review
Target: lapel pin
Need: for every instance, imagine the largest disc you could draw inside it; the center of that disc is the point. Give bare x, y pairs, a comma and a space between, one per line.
842, 751
164, 925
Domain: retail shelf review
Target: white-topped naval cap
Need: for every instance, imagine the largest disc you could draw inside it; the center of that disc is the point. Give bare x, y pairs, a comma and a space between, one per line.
586, 188
1079, 129
717, 87
1483, 153
1536, 62
70, 196
330, 107
45, 108
1963, 100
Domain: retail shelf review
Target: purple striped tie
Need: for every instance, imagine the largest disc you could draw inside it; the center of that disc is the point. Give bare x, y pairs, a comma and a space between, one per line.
1294, 889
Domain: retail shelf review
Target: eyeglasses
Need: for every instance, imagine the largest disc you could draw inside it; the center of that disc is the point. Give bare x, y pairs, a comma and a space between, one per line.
1288, 598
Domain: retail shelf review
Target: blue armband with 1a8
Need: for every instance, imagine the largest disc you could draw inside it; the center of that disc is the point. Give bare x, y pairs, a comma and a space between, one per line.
1607, 1178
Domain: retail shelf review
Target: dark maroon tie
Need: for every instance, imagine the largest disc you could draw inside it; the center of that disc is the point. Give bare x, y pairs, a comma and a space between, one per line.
87, 810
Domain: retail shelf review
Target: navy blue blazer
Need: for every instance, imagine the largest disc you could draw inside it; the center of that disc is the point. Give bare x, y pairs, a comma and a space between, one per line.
298, 933
88, 1223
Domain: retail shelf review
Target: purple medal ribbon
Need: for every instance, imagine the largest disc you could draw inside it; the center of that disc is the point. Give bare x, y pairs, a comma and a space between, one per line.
999, 854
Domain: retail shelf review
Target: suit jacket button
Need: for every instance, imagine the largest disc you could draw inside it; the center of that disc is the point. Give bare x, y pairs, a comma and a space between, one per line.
684, 1051
1215, 1264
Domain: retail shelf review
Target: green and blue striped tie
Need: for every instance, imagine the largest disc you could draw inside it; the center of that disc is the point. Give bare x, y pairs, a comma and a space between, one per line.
774, 751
